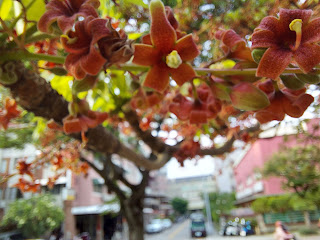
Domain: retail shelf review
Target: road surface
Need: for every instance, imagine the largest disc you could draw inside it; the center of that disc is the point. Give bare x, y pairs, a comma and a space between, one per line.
181, 231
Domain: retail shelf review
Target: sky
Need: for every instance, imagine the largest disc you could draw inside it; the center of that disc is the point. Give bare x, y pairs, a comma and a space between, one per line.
192, 168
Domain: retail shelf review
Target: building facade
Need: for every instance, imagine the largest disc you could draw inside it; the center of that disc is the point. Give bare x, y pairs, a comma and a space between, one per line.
192, 189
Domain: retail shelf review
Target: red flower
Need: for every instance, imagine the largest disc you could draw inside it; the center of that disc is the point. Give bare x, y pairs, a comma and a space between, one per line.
144, 100
24, 168
93, 43
282, 102
188, 149
233, 45
84, 57
292, 35
66, 12
27, 186
199, 111
166, 56
9, 112
81, 123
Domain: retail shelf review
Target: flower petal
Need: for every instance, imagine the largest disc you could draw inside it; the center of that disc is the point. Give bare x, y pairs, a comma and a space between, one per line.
146, 39
183, 73
73, 66
158, 77
187, 48
47, 19
286, 16
92, 62
273, 62
263, 39
98, 29
307, 56
311, 34
145, 55
163, 35
269, 23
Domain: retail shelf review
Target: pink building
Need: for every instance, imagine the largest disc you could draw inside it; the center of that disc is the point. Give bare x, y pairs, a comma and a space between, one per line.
249, 183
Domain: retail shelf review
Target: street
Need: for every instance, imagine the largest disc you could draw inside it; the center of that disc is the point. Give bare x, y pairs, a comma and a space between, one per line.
181, 231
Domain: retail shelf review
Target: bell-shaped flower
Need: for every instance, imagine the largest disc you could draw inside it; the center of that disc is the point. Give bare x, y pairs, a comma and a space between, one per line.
282, 102
233, 45
92, 44
292, 36
66, 12
205, 107
167, 56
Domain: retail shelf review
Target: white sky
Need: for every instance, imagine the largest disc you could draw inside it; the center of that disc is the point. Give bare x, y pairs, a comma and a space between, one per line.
192, 168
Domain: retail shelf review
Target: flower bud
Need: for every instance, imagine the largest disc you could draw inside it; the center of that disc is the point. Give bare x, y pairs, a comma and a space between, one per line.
291, 81
308, 78
8, 73
257, 54
59, 71
85, 84
245, 96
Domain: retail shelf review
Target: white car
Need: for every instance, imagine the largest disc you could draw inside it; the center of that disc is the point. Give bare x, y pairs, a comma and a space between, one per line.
155, 226
166, 223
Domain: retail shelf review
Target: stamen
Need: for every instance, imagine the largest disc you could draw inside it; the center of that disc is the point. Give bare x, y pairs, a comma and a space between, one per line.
69, 40
173, 60
296, 25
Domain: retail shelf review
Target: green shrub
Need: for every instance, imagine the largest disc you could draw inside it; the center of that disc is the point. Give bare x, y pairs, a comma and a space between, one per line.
34, 216
308, 231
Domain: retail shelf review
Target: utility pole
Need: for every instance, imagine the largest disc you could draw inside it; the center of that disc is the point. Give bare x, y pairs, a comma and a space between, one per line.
208, 210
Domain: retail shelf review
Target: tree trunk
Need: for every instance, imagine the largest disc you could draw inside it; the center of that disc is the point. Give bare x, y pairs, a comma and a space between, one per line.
261, 223
307, 218
133, 211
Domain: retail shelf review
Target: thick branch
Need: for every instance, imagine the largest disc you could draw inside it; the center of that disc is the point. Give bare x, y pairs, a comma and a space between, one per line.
35, 95
155, 143
228, 145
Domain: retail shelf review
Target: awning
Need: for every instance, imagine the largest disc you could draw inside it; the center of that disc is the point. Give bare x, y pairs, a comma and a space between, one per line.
96, 209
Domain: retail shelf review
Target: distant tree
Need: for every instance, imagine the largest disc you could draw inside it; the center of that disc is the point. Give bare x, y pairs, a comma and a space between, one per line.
299, 169
180, 205
34, 216
221, 203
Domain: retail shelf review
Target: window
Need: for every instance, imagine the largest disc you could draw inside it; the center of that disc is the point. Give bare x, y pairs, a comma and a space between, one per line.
4, 165
98, 185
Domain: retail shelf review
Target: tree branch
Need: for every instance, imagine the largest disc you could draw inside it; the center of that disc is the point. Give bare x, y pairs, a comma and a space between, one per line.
34, 94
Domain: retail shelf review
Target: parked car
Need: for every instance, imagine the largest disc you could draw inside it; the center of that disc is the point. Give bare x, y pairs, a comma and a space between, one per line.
198, 227
13, 235
166, 223
155, 226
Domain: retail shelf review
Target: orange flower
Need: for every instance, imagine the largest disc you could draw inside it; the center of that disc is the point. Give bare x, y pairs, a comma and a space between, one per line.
291, 36
166, 56
9, 112
65, 13
233, 45
282, 102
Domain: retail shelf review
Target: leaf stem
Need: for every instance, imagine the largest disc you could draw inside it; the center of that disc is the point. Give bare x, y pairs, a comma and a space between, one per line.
24, 55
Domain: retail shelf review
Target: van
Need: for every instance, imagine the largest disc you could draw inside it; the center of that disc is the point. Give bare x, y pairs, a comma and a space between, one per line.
198, 227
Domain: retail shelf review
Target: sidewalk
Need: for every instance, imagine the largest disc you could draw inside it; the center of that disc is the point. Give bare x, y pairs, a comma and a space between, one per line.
260, 237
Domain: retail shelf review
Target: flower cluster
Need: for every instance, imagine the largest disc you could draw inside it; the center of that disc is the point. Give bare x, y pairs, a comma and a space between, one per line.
90, 41
205, 107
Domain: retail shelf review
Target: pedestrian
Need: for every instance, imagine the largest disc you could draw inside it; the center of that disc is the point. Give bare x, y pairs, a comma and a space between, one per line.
281, 232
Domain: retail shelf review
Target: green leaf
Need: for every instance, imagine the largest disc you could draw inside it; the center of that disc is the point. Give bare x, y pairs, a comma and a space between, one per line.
5, 9
62, 86
247, 97
37, 9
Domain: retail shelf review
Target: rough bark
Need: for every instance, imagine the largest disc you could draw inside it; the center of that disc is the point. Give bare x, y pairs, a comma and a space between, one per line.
307, 220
